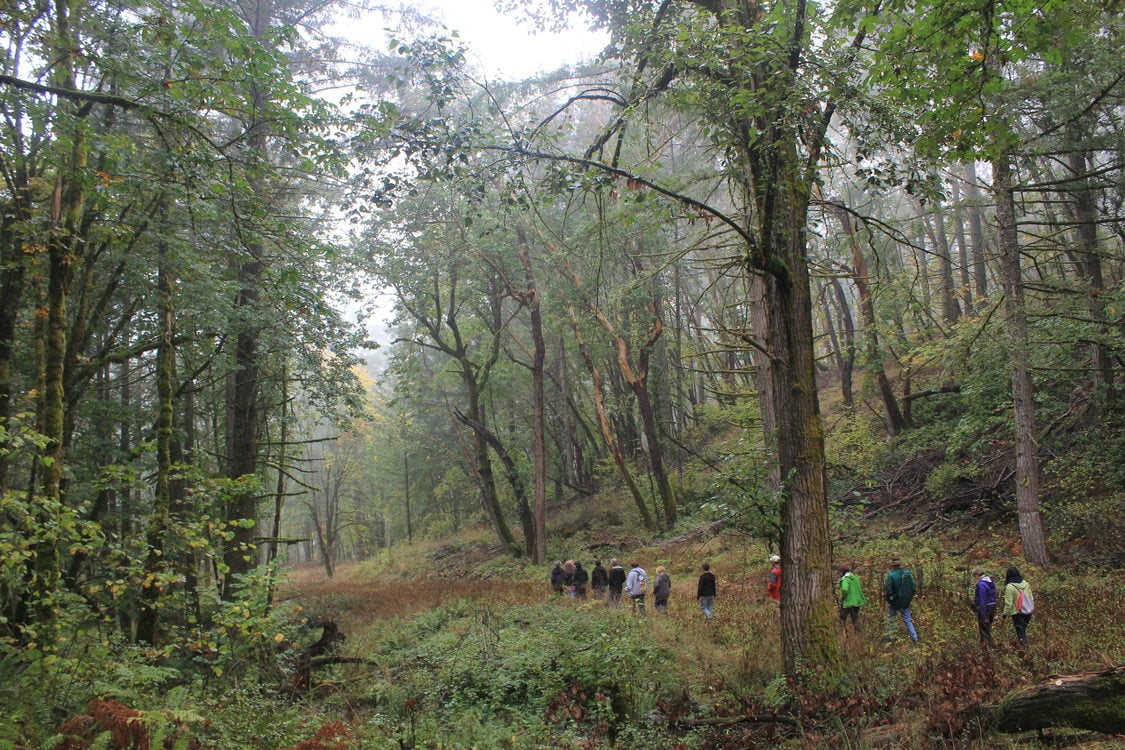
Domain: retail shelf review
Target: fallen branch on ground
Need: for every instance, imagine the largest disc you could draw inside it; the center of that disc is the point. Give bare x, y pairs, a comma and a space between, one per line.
726, 721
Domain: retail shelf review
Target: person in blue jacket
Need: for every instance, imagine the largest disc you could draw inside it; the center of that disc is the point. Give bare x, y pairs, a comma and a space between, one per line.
984, 605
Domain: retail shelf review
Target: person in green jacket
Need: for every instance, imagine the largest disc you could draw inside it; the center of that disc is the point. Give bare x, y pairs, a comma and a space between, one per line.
899, 589
851, 597
1018, 602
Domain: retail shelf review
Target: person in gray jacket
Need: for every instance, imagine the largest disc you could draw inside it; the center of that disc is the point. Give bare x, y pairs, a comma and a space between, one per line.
636, 585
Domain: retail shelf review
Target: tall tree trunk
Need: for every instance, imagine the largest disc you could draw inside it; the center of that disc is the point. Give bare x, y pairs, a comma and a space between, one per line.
1027, 456
156, 558
976, 232
607, 429
65, 248
777, 181
895, 420
964, 258
795, 436
847, 346
538, 402
242, 413
1085, 212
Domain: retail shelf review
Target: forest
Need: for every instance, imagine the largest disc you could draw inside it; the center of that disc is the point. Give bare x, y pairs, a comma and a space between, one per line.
315, 355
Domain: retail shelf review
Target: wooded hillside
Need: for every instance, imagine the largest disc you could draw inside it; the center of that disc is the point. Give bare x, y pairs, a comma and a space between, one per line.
774, 269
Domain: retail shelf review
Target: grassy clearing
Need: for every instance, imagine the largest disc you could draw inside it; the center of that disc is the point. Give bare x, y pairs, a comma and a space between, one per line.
467, 662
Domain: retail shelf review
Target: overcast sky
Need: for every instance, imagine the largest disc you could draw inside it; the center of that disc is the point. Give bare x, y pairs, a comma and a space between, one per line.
503, 48
498, 46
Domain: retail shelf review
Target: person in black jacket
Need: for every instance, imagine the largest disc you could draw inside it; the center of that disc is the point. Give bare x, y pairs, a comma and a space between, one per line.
615, 583
705, 591
599, 579
580, 579
662, 590
558, 578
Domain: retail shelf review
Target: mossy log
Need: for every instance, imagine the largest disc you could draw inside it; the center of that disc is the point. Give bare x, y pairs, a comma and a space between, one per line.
1093, 701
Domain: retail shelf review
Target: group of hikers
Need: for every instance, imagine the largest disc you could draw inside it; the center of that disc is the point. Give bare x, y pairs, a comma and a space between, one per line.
899, 589
611, 584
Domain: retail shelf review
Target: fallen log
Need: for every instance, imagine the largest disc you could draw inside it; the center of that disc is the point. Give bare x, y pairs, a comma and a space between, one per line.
710, 529
1092, 700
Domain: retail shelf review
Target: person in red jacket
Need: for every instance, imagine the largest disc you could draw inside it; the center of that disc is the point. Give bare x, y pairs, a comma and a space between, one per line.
773, 580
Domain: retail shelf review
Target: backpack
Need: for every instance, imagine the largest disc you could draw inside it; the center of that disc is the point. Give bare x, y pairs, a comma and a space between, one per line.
642, 582
904, 589
1025, 605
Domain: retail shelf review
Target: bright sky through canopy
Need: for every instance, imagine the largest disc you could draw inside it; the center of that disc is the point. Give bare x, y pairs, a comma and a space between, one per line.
504, 48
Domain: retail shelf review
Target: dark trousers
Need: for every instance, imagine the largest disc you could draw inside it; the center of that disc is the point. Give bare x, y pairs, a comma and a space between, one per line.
984, 625
1019, 622
853, 613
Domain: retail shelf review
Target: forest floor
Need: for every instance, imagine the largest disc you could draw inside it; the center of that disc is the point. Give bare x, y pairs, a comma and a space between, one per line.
901, 694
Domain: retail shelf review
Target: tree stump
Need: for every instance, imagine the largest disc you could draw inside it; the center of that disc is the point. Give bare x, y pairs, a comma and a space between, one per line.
302, 674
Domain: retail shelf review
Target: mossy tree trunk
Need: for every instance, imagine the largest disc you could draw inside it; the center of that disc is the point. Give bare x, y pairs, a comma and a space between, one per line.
65, 247
795, 436
243, 411
776, 168
157, 559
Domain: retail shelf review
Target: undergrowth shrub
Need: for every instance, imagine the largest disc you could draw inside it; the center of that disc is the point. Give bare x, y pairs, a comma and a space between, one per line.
466, 674
108, 723
43, 686
855, 446
245, 718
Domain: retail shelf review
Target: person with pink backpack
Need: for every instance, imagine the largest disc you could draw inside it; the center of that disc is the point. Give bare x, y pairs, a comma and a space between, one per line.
1018, 602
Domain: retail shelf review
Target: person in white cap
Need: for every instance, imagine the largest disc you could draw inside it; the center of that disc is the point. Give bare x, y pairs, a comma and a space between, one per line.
773, 580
